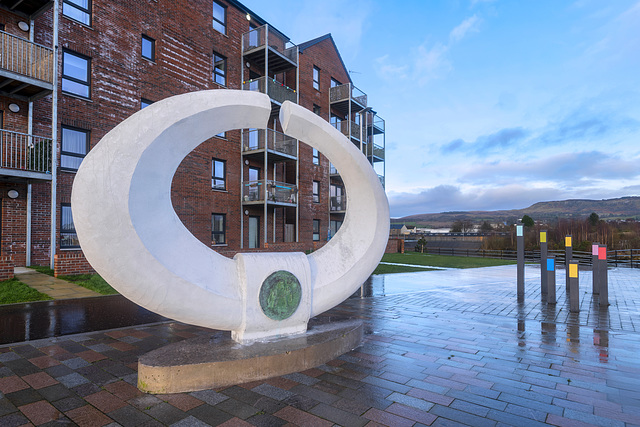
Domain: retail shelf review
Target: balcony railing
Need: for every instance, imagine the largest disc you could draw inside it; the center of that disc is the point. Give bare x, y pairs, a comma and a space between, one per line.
375, 150
25, 152
343, 126
254, 139
347, 92
338, 204
271, 191
277, 91
26, 58
381, 178
258, 38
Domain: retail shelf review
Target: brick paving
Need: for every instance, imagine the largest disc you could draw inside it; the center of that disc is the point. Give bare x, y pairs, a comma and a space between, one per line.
442, 348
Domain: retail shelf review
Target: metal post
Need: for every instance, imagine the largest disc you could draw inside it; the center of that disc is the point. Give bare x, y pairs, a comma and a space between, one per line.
568, 255
543, 263
520, 262
54, 137
551, 279
604, 276
595, 269
574, 287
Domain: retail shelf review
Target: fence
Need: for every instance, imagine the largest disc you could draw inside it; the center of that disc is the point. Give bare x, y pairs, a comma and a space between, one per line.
27, 58
619, 258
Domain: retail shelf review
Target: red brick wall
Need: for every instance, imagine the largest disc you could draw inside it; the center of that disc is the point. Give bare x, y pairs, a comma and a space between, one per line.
69, 263
394, 246
6, 268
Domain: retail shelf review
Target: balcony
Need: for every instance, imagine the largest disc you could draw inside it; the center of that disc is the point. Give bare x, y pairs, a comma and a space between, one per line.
277, 91
274, 192
26, 68
30, 9
24, 156
280, 147
265, 46
375, 126
375, 152
347, 99
348, 128
338, 204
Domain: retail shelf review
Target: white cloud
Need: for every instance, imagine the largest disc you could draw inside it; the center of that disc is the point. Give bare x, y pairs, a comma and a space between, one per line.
467, 26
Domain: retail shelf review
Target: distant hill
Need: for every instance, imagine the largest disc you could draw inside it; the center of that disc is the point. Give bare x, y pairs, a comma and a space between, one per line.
622, 208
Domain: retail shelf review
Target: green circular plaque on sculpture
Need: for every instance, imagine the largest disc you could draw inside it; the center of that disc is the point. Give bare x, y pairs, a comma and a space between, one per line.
280, 295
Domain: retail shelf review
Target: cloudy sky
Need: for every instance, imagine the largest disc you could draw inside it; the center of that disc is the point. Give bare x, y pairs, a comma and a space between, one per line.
490, 104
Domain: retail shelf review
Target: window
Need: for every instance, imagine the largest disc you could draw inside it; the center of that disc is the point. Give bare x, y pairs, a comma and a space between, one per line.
219, 69
316, 78
316, 109
218, 229
75, 74
316, 157
218, 180
145, 103
148, 48
334, 226
316, 230
74, 147
219, 17
335, 121
68, 236
334, 82
78, 10
316, 191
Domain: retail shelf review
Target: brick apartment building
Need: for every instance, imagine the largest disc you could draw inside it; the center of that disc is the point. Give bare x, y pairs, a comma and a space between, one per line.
244, 190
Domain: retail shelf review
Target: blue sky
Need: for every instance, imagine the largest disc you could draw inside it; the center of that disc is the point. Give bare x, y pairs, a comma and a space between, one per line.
490, 104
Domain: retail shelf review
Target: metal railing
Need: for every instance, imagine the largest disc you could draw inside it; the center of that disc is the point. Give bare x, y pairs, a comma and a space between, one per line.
346, 92
25, 152
261, 36
375, 150
381, 178
254, 139
277, 91
343, 127
271, 191
376, 124
27, 58
337, 203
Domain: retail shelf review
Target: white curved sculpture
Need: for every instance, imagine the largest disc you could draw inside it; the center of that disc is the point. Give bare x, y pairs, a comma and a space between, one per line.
131, 235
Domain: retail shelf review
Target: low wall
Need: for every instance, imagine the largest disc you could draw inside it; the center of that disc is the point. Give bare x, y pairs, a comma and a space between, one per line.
6, 267
71, 263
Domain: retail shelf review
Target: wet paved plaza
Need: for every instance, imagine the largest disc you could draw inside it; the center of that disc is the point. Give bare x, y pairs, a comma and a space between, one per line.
449, 347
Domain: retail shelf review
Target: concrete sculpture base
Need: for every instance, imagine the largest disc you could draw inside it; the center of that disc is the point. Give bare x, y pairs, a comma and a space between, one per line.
204, 362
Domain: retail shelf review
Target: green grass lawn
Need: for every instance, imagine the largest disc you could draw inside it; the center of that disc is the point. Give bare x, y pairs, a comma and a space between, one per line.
91, 281
13, 291
388, 269
445, 261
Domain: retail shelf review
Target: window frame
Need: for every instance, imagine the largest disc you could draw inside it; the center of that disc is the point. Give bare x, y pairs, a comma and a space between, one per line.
63, 152
335, 83
214, 74
81, 9
316, 230
153, 47
222, 233
215, 177
76, 80
144, 101
214, 20
315, 191
316, 156
316, 78
317, 109
68, 231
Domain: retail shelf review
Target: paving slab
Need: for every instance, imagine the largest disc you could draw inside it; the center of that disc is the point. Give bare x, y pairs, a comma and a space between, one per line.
441, 348
52, 286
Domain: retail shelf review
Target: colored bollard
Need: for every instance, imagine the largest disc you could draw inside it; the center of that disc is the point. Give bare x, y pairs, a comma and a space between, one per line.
568, 255
603, 283
595, 269
551, 280
520, 260
543, 262
574, 287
